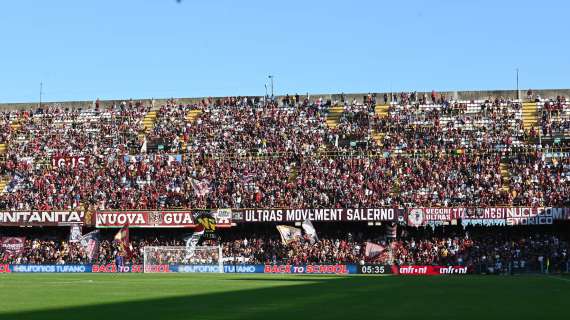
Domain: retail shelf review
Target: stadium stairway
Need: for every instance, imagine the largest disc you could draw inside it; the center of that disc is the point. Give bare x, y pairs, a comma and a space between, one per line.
293, 174
504, 169
191, 117
333, 118
3, 183
381, 111
3, 148
529, 115
149, 120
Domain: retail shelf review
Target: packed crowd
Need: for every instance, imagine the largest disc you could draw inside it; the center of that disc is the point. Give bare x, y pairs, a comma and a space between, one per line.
481, 250
538, 181
482, 126
250, 153
555, 117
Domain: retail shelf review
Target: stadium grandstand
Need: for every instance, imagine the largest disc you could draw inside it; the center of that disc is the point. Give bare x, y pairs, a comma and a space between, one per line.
479, 181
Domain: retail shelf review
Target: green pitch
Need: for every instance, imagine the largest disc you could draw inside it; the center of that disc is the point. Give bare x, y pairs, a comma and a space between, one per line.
185, 296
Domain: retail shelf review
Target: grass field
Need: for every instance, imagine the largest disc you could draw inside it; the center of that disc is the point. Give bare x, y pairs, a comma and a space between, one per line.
213, 296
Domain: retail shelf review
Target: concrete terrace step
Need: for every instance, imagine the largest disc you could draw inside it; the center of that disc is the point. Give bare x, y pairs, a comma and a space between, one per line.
333, 118
149, 120
192, 115
504, 169
381, 110
529, 115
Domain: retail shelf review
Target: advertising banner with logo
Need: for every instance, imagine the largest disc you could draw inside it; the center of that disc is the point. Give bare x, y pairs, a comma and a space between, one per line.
330, 214
156, 219
5, 268
209, 268
51, 268
431, 270
40, 218
12, 245
134, 268
310, 269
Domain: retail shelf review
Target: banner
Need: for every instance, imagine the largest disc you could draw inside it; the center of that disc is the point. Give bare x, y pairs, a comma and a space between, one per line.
331, 214
310, 231
13, 245
509, 216
310, 269
90, 243
51, 268
431, 270
5, 268
169, 158
209, 268
75, 161
40, 218
75, 233
155, 219
128, 268
493, 216
193, 239
201, 188
289, 234
372, 250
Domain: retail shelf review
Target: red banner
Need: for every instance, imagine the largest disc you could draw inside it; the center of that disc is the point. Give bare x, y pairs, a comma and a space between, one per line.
58, 161
13, 245
156, 219
5, 268
431, 270
40, 218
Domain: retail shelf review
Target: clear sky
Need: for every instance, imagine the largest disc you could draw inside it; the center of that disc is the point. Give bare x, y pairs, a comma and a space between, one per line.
123, 49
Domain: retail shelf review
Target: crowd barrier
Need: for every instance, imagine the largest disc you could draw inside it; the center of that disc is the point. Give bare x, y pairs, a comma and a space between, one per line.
332, 269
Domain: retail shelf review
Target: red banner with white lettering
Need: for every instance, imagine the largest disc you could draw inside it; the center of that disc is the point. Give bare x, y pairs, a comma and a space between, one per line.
75, 161
431, 270
158, 219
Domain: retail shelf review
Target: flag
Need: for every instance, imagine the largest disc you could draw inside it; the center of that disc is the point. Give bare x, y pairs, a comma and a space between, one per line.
122, 239
310, 230
247, 178
90, 243
289, 234
144, 145
74, 233
373, 250
12, 245
391, 230
193, 239
201, 188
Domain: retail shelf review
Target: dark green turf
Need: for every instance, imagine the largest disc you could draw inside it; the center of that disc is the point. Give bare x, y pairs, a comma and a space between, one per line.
184, 296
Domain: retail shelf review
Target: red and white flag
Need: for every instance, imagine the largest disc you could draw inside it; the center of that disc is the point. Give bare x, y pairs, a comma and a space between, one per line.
373, 250
201, 188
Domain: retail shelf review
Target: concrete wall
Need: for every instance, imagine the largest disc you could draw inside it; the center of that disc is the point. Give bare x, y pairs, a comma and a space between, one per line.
461, 95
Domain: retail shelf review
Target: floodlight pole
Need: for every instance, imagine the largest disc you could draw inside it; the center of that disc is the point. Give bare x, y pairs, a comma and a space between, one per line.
41, 87
518, 94
271, 77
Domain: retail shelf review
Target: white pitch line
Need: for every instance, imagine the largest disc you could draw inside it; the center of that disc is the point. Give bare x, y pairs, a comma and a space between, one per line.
68, 282
559, 278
